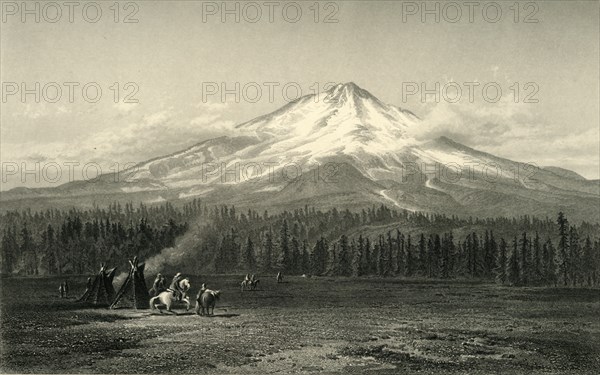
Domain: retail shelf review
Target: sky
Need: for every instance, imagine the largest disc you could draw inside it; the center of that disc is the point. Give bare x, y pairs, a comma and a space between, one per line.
178, 51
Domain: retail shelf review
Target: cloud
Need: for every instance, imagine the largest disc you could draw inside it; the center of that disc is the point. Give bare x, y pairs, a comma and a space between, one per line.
125, 108
479, 124
128, 139
158, 118
213, 107
494, 69
515, 131
209, 119
204, 119
40, 110
155, 134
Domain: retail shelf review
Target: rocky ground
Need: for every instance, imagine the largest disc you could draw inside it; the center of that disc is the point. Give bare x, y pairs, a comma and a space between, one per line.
309, 325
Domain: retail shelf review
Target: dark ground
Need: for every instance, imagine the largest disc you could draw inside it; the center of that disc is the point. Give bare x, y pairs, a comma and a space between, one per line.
309, 325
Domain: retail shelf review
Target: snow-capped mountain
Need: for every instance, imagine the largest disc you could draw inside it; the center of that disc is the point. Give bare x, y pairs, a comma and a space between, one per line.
340, 148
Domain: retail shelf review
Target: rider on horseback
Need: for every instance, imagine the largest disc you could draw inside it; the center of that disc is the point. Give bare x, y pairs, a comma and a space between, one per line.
175, 288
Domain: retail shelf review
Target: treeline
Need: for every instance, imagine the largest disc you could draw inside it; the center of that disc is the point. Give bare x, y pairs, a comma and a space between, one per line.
376, 241
77, 241
561, 257
226, 230
311, 223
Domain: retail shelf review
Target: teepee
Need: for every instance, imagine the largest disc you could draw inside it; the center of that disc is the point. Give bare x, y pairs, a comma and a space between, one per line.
102, 291
133, 292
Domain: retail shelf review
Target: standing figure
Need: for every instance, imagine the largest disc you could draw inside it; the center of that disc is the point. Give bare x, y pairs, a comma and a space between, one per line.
161, 284
202, 290
158, 286
66, 289
279, 277
61, 290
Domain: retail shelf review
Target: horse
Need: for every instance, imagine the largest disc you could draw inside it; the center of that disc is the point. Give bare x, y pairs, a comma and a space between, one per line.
167, 298
207, 301
249, 284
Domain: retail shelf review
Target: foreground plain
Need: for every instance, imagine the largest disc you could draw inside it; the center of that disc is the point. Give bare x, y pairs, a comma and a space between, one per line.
309, 325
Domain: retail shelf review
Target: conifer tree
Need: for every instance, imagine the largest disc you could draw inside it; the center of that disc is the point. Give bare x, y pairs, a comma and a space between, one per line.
344, 257
379, 250
248, 259
268, 249
333, 266
295, 256
361, 266
284, 248
319, 258
400, 254
512, 271
524, 260
477, 258
28, 251
537, 259
596, 253
574, 257
369, 268
388, 259
435, 265
501, 263
305, 263
563, 247
356, 256
587, 267
410, 260
422, 255
549, 263
492, 253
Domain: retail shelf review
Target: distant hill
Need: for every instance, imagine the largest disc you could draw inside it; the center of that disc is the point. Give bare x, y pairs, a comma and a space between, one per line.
565, 173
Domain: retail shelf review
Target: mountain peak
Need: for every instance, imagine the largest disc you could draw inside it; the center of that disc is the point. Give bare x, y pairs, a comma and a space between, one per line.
348, 88
351, 86
348, 92
348, 116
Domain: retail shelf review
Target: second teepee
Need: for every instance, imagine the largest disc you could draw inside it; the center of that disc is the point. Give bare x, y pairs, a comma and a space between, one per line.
133, 292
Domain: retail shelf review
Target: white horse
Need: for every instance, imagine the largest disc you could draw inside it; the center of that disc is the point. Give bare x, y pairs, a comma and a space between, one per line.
167, 298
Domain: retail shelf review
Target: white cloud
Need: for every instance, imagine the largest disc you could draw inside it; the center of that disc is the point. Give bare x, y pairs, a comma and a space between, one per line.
515, 131
217, 107
125, 107
40, 110
128, 140
158, 118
